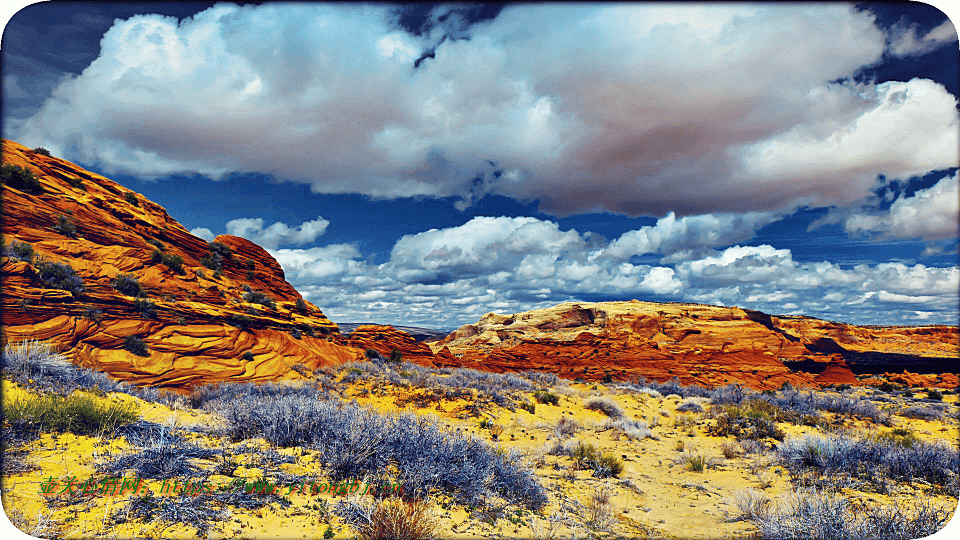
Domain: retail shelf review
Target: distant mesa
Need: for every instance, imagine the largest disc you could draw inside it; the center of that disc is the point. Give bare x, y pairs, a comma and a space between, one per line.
91, 266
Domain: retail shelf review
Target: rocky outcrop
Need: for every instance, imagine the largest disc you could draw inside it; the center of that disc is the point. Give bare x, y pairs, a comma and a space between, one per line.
386, 339
206, 312
707, 345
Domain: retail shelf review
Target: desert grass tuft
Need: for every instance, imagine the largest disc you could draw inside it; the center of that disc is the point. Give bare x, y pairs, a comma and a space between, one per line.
396, 519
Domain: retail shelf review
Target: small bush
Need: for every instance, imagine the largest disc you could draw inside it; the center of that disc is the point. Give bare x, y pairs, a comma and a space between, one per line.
59, 276
82, 415
145, 308
546, 398
373, 354
127, 284
131, 198
136, 346
599, 511
934, 394
156, 243
300, 306
259, 297
529, 407
19, 178
296, 333
809, 514
396, 357
730, 449
604, 405
565, 428
173, 262
689, 407
158, 453
240, 321
695, 462
41, 151
923, 412
65, 227
396, 519
21, 251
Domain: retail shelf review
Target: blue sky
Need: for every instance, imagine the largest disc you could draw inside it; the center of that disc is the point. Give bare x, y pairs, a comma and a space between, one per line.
426, 165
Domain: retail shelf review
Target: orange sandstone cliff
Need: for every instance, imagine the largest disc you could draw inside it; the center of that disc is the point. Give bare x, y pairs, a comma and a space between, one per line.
701, 344
199, 312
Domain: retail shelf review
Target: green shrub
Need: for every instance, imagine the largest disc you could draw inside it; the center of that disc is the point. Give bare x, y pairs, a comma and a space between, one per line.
131, 198
19, 178
41, 151
127, 284
146, 308
296, 333
248, 356
695, 462
373, 354
79, 414
76, 183
885, 386
545, 397
220, 249
173, 262
240, 321
22, 251
395, 357
156, 243
258, 297
250, 264
65, 227
529, 407
59, 276
934, 395
301, 306
136, 346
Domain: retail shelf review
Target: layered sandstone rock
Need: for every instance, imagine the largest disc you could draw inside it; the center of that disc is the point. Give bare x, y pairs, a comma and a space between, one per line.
200, 328
702, 344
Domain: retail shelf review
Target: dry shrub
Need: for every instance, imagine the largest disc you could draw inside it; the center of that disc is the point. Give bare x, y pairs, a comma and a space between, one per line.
599, 511
395, 519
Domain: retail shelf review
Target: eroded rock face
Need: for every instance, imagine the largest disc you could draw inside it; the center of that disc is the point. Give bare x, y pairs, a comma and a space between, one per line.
701, 344
200, 317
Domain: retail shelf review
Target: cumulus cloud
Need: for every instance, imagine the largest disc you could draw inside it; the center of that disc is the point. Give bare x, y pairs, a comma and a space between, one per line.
204, 233
637, 109
444, 278
905, 42
279, 233
930, 214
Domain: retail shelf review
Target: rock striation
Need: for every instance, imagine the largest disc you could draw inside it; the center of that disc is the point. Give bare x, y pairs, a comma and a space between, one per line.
707, 345
207, 312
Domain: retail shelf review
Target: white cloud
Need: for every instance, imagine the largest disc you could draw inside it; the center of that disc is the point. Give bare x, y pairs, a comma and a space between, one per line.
930, 214
279, 233
638, 109
204, 233
905, 42
448, 277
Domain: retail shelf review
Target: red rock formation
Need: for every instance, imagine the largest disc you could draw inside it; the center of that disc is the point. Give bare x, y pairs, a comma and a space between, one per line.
708, 345
386, 339
195, 335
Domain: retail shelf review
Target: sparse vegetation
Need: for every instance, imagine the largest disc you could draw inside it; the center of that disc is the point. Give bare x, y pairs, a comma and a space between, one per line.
136, 346
300, 305
19, 178
605, 405
145, 308
76, 413
240, 321
259, 297
396, 357
41, 151
21, 251
59, 276
65, 227
811, 514
546, 398
173, 262
127, 284
131, 198
396, 519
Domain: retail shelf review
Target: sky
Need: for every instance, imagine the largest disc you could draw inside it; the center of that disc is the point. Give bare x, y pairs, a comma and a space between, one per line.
424, 165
